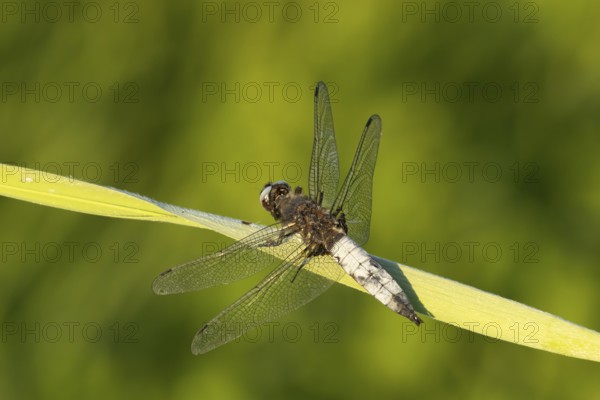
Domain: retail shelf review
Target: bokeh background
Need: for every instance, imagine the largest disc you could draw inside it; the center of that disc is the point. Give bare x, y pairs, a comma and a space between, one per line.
491, 141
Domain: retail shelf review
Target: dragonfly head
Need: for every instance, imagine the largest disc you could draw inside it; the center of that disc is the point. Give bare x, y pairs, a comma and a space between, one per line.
271, 197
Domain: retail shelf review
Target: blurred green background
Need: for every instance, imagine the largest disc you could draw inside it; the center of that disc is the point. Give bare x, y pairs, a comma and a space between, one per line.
491, 141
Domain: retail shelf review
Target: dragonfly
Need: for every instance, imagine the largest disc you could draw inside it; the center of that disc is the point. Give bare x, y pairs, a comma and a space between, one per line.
315, 240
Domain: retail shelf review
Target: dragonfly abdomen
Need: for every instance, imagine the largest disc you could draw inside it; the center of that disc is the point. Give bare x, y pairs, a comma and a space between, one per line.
371, 276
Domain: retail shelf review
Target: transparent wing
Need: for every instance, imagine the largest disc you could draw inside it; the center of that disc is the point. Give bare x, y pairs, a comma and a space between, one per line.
281, 292
324, 174
240, 260
354, 198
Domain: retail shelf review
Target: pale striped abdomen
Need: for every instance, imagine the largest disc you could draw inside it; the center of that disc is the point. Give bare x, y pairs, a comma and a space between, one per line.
370, 275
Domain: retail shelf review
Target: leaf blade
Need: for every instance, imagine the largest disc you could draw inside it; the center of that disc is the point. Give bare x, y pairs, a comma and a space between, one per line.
443, 299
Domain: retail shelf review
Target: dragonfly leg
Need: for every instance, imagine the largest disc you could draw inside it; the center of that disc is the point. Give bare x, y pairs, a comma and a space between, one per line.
284, 235
304, 262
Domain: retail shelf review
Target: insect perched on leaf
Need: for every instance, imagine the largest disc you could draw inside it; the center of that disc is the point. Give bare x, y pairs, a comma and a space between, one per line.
319, 230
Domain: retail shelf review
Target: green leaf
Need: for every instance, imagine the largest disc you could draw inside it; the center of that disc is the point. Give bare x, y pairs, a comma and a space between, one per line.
439, 298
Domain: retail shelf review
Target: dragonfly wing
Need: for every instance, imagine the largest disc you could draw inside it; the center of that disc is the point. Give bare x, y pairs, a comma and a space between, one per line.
324, 174
354, 198
288, 287
240, 260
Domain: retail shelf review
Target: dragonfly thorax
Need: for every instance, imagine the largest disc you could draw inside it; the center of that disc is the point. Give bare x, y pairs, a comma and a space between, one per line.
299, 213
